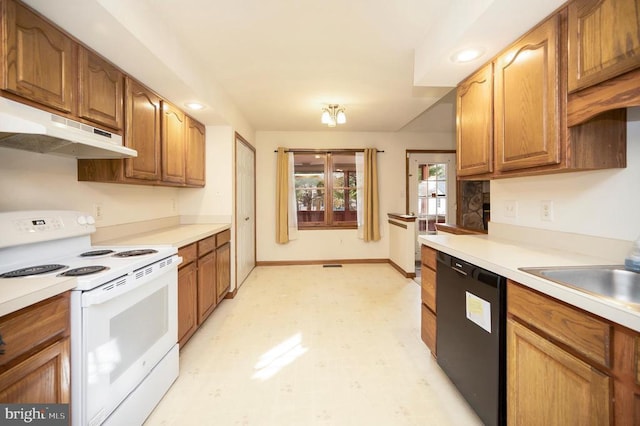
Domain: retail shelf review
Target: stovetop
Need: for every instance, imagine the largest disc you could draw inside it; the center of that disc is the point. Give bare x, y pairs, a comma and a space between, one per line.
91, 271
57, 243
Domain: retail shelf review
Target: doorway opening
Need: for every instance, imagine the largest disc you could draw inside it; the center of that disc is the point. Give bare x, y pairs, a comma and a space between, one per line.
431, 192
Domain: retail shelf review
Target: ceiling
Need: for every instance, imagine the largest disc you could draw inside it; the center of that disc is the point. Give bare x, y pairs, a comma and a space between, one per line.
276, 63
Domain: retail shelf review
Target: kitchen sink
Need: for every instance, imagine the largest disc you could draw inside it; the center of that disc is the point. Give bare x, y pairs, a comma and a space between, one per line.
610, 282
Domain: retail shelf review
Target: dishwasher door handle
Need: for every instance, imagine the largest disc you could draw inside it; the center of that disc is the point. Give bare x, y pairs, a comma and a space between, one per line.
460, 271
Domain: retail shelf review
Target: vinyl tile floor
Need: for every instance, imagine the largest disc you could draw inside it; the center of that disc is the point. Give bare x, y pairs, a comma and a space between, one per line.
307, 345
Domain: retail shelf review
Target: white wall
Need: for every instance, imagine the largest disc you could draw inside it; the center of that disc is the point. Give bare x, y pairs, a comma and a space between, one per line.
336, 244
215, 202
604, 203
31, 181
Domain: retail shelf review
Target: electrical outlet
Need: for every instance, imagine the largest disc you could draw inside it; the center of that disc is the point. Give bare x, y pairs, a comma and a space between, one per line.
98, 212
174, 205
546, 210
511, 208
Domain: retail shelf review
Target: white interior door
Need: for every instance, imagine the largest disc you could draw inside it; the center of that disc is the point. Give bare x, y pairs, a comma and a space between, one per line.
432, 191
245, 210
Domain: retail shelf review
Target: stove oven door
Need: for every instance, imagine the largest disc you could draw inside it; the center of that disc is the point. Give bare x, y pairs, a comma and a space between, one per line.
123, 338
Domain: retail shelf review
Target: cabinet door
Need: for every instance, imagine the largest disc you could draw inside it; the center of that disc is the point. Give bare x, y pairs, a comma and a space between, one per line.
546, 385
187, 302
428, 328
42, 378
207, 296
474, 126
195, 153
223, 270
604, 40
39, 61
101, 90
143, 132
173, 144
527, 100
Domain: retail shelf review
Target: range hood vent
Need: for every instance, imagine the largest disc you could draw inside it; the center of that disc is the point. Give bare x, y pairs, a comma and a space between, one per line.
30, 129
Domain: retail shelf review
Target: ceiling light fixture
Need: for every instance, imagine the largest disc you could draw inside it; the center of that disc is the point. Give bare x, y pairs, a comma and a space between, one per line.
333, 114
194, 106
467, 55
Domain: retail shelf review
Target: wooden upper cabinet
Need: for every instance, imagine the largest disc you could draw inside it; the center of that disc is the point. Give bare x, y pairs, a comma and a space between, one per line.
529, 100
474, 132
195, 153
101, 88
39, 62
143, 132
604, 40
173, 143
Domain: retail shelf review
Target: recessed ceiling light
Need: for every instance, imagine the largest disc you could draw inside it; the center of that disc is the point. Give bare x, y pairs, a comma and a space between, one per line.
467, 55
194, 105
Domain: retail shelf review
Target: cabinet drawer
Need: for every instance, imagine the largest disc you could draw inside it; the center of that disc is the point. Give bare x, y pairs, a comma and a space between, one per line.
188, 253
580, 331
428, 329
428, 280
223, 238
28, 328
206, 245
428, 256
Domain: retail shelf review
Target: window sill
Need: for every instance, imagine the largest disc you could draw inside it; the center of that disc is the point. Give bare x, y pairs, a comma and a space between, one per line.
324, 227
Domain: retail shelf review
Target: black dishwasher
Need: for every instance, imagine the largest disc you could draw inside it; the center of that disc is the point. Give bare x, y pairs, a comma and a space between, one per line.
471, 334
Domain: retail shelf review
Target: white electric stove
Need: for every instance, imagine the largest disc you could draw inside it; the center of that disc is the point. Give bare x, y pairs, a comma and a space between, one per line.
124, 352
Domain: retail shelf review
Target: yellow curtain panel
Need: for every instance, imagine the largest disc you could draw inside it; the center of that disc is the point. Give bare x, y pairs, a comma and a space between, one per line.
371, 222
282, 194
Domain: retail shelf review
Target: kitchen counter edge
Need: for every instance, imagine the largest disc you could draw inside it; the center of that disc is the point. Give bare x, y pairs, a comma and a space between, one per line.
176, 236
505, 257
17, 294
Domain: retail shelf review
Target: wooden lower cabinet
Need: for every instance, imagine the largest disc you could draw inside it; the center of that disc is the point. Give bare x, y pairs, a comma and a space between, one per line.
207, 291
547, 385
41, 378
626, 361
203, 281
35, 361
567, 366
223, 270
428, 291
187, 302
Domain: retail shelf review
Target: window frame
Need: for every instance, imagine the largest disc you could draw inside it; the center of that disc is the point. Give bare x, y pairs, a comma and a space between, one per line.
329, 189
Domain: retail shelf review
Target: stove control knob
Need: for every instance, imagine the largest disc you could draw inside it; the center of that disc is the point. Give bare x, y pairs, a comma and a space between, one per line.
91, 220
82, 220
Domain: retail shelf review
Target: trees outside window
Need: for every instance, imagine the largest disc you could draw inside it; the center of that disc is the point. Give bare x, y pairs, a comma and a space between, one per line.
325, 185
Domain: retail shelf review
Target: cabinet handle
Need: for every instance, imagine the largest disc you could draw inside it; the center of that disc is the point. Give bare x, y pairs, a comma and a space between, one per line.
2, 343
246, 218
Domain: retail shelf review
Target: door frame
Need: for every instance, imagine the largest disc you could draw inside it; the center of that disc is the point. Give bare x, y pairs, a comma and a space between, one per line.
239, 139
407, 166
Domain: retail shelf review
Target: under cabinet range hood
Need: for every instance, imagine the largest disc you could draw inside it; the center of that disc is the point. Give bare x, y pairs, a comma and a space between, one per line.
31, 129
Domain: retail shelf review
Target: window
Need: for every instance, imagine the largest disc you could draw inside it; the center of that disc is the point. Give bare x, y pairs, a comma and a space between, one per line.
432, 195
325, 185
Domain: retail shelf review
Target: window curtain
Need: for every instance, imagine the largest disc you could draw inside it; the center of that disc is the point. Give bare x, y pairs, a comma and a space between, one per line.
286, 209
367, 195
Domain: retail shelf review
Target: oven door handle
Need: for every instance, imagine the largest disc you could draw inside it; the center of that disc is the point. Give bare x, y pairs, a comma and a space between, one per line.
127, 283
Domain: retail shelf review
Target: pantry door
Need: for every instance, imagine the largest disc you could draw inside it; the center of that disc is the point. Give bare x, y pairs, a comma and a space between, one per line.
245, 209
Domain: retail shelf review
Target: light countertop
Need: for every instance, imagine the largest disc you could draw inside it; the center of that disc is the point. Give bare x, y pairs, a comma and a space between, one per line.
504, 257
18, 293
177, 236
